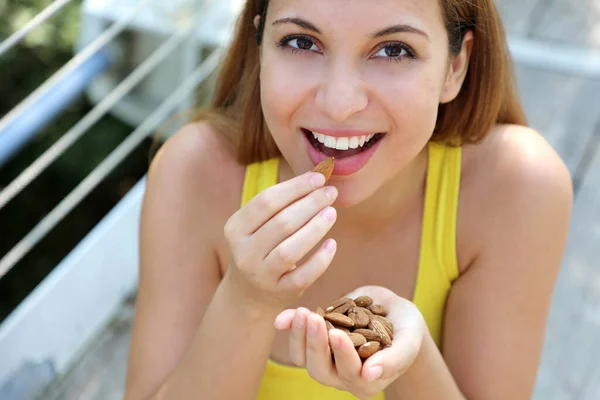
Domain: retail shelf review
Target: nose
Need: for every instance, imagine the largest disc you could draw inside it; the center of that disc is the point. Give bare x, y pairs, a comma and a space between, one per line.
342, 92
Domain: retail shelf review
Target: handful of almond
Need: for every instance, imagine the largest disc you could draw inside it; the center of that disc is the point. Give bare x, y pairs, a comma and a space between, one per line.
364, 322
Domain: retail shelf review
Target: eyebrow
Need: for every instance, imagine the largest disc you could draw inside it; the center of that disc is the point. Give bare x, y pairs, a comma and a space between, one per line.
400, 28
298, 21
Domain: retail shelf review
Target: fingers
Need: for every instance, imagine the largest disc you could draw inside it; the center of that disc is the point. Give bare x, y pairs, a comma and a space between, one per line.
347, 361
298, 337
292, 218
284, 320
269, 202
293, 249
318, 354
396, 359
302, 277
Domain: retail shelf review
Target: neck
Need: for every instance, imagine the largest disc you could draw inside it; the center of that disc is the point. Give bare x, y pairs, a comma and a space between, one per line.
398, 198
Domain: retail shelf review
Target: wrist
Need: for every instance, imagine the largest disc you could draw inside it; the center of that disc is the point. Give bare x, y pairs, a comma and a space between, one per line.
249, 304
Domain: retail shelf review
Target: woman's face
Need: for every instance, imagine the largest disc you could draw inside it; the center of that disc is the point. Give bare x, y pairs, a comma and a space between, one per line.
360, 80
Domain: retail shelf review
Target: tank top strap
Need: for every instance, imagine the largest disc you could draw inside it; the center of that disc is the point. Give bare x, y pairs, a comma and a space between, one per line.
259, 176
438, 265
441, 207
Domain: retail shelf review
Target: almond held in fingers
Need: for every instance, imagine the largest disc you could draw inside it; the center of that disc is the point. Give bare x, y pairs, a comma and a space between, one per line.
320, 311
325, 167
368, 349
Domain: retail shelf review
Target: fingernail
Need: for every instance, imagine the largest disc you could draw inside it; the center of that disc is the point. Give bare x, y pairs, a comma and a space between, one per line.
374, 373
317, 179
312, 327
330, 245
331, 192
329, 214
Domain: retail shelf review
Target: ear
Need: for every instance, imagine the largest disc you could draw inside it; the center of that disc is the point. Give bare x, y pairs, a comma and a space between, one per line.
457, 70
256, 21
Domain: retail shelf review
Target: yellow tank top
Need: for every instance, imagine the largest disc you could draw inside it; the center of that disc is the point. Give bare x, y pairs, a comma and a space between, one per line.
438, 266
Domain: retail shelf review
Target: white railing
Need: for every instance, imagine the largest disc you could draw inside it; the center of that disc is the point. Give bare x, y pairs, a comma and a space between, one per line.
19, 333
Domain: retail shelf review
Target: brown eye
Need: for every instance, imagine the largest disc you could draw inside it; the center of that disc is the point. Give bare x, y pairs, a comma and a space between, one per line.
304, 44
393, 50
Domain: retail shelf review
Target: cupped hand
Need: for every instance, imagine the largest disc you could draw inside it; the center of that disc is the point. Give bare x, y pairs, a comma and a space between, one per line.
310, 346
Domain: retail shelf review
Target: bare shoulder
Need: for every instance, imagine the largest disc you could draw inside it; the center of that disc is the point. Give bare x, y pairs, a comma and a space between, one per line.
195, 169
193, 185
512, 175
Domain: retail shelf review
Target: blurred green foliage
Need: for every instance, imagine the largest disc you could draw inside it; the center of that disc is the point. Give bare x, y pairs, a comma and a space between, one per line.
22, 70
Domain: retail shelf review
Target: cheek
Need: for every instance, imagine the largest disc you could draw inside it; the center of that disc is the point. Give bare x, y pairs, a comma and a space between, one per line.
412, 101
283, 89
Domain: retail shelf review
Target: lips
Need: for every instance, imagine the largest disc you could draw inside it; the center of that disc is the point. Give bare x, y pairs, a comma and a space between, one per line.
341, 147
348, 161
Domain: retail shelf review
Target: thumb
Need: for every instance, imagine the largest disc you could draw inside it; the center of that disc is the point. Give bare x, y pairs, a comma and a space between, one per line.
395, 360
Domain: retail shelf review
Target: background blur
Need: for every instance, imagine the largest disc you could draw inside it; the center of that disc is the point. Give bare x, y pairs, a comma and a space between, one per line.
86, 87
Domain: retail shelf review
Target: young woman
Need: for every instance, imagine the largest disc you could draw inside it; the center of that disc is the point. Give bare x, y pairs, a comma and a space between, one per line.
443, 206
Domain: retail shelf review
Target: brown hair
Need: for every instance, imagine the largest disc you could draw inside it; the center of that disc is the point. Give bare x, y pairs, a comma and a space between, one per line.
488, 95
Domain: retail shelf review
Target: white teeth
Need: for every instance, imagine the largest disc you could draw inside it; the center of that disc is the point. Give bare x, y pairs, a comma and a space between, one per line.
342, 143
330, 142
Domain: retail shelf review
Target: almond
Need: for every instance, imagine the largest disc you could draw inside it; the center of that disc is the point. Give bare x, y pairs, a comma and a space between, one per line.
352, 314
363, 301
340, 319
325, 167
361, 318
320, 311
343, 309
368, 349
329, 325
337, 303
366, 310
357, 339
380, 329
369, 334
378, 309
341, 328
389, 327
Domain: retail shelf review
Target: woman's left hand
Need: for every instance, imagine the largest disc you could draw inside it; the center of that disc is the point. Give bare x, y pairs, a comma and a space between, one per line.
309, 346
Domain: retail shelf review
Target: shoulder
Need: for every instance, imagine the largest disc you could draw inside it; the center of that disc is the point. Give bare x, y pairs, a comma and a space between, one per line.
512, 177
196, 171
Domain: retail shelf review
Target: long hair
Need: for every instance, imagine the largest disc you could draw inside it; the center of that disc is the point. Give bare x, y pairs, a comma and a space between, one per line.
488, 95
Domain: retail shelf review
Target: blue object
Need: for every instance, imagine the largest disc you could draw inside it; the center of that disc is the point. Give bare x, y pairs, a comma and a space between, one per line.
51, 105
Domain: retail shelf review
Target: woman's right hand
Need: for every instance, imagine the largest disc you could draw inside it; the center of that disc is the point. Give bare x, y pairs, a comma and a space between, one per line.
274, 231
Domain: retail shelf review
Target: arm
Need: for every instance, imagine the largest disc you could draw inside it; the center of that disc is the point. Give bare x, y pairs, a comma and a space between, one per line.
195, 333
180, 277
497, 310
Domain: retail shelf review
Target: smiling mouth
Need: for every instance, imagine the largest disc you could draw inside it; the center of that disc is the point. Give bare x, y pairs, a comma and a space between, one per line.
341, 147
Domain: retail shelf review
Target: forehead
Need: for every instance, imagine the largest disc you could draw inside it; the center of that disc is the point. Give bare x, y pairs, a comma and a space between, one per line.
360, 13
